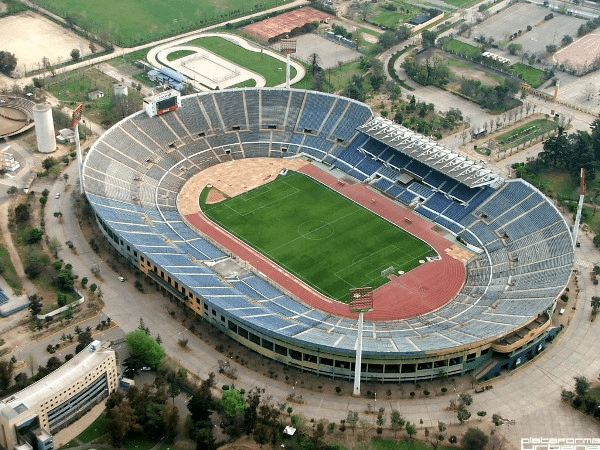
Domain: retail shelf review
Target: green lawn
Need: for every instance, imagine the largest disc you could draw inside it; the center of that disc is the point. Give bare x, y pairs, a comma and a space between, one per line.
9, 273
131, 22
532, 76
317, 234
179, 54
404, 444
265, 65
340, 76
96, 429
462, 48
524, 133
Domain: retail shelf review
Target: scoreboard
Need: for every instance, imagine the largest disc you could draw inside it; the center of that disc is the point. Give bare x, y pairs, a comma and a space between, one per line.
162, 103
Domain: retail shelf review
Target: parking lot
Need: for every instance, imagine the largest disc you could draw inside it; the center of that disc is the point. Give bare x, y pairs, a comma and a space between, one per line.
518, 17
330, 52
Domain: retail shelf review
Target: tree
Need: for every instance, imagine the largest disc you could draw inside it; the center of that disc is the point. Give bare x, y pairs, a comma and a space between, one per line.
428, 38
474, 439
8, 62
365, 10
411, 430
64, 280
75, 54
514, 48
438, 437
589, 91
120, 419
48, 162
581, 385
34, 235
35, 305
462, 414
397, 421
145, 347
93, 287
233, 403
481, 414
6, 369
171, 421
465, 399
53, 363
174, 390
566, 40
352, 420
21, 213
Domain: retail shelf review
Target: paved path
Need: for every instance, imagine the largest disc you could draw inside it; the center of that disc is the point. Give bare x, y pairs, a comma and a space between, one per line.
534, 405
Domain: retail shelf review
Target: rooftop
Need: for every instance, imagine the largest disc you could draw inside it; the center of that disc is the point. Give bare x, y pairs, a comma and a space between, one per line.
426, 150
66, 375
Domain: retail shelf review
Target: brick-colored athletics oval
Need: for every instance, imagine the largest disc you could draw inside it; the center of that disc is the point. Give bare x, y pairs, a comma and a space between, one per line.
421, 290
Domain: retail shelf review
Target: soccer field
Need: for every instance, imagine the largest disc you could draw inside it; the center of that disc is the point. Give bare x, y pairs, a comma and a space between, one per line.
318, 235
131, 22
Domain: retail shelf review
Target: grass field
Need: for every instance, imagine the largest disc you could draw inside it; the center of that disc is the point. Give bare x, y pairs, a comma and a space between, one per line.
404, 444
532, 76
265, 65
461, 64
96, 429
179, 54
524, 133
462, 48
318, 235
130, 22
9, 273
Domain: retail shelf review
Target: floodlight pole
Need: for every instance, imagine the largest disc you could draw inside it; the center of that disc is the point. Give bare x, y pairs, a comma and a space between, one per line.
357, 366
287, 72
79, 158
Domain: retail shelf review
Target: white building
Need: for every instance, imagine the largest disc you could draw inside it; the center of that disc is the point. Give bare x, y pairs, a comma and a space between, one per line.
30, 417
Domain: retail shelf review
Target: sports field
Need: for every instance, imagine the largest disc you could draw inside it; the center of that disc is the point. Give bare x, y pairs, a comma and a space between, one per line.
130, 22
318, 235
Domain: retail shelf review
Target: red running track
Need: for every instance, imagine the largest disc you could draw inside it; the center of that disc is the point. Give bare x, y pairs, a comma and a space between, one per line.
423, 289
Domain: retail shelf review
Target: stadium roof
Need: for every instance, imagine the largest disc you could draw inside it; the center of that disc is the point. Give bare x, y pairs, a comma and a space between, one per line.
457, 166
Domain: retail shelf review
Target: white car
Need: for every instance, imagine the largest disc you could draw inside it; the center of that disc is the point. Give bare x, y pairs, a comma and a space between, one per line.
57, 195
121, 279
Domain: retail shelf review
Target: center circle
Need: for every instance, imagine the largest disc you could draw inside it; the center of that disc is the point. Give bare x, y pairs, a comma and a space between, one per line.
315, 230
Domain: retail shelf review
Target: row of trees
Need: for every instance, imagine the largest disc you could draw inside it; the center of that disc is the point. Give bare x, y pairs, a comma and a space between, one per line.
571, 152
142, 412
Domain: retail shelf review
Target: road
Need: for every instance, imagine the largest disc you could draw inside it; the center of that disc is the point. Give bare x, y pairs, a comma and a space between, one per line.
530, 395
535, 406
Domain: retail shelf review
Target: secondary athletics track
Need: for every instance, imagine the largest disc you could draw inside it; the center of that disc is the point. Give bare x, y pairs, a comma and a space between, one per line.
423, 289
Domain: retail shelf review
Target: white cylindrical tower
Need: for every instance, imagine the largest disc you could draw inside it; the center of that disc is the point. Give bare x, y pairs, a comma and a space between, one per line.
44, 127
120, 89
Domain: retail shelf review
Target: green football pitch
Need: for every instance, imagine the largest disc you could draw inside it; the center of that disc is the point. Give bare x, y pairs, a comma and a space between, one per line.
318, 235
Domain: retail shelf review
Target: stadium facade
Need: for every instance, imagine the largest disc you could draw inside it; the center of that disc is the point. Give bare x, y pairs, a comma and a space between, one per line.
501, 316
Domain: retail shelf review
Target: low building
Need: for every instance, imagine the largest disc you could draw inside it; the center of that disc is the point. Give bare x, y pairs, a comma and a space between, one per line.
29, 418
95, 94
169, 77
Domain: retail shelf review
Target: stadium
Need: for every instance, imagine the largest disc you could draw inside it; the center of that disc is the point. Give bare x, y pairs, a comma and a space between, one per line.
481, 306
16, 115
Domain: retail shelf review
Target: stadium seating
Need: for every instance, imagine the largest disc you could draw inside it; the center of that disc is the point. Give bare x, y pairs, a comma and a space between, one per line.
132, 177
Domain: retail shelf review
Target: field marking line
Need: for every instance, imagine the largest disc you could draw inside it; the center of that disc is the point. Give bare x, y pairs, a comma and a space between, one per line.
326, 224
226, 204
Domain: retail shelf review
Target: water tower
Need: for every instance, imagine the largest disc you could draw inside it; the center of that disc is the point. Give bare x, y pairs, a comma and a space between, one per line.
44, 127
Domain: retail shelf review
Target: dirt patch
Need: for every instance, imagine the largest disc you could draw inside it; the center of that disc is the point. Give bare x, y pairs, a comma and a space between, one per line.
32, 37
466, 72
232, 178
214, 196
3, 8
369, 38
